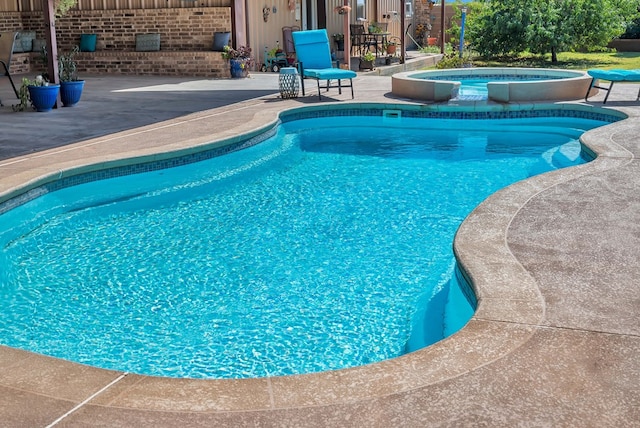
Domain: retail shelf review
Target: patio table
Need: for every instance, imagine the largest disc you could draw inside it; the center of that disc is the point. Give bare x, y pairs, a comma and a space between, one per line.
378, 40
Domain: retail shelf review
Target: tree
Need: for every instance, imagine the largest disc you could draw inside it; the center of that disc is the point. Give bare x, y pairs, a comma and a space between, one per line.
597, 22
506, 27
61, 7
549, 28
498, 28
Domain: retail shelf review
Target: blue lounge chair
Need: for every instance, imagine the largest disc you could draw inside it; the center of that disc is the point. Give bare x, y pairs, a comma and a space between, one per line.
612, 76
314, 61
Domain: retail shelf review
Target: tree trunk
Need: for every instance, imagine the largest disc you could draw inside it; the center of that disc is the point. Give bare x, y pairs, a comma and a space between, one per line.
554, 55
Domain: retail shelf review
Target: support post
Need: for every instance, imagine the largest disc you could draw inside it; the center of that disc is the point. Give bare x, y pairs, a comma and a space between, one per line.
52, 44
238, 23
403, 48
346, 30
442, 18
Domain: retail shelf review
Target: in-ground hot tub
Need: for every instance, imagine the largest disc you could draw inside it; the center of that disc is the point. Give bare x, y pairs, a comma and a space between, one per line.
506, 85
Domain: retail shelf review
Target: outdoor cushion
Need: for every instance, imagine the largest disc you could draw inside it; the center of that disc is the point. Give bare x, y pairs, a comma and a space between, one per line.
220, 40
88, 42
616, 75
147, 42
329, 73
613, 76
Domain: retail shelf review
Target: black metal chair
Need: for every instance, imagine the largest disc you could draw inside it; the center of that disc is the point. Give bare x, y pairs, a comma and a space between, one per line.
359, 43
6, 50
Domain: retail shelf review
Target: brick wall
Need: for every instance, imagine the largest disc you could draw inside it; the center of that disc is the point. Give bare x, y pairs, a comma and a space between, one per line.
23, 63
187, 29
186, 38
10, 21
168, 63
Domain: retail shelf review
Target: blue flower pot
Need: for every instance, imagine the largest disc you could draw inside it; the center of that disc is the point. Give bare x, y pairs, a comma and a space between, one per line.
239, 68
70, 92
44, 98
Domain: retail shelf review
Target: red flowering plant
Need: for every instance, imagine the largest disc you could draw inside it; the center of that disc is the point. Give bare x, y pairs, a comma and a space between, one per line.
243, 53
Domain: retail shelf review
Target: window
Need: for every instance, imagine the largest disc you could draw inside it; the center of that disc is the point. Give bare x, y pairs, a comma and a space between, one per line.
361, 10
408, 9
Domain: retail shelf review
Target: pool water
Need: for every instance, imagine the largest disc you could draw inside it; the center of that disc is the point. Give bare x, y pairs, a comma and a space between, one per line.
318, 249
472, 88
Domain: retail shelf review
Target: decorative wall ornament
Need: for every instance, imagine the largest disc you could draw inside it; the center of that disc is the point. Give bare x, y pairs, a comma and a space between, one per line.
342, 10
265, 13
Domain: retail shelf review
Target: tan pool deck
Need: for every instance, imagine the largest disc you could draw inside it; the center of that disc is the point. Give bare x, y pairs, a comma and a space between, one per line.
555, 261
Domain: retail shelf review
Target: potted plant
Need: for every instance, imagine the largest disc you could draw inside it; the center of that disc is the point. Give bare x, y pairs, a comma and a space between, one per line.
390, 48
367, 61
39, 93
240, 60
339, 41
70, 86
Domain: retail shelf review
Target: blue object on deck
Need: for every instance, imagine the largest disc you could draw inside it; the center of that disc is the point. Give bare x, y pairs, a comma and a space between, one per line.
462, 23
616, 75
314, 61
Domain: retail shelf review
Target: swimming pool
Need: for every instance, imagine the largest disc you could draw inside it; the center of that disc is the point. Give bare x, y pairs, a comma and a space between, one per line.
260, 176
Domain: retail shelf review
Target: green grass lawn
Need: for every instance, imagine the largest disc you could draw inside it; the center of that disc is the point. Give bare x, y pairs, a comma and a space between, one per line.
572, 60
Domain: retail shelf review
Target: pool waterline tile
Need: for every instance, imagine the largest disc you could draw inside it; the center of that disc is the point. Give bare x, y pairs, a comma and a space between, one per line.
172, 159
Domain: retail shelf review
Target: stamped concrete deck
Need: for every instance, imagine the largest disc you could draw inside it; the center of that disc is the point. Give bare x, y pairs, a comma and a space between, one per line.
554, 260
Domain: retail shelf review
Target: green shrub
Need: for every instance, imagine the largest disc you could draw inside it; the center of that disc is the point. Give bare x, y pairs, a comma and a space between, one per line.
453, 60
633, 30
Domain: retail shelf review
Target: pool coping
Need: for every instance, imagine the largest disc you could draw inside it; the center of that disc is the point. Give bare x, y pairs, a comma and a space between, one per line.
506, 318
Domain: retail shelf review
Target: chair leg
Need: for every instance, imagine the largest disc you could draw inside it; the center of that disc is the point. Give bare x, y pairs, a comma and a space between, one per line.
638, 97
6, 73
301, 74
319, 92
606, 97
351, 83
340, 86
15, 91
593, 80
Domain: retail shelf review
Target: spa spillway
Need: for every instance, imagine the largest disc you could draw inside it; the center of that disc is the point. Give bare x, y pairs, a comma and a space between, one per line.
504, 85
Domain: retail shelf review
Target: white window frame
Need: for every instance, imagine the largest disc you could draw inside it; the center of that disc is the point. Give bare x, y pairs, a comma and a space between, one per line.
361, 10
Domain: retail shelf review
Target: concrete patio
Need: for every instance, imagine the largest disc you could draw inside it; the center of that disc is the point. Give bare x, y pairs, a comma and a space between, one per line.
554, 261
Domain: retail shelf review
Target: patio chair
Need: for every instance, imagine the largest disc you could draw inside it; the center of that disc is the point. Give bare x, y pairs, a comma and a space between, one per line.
6, 50
314, 61
287, 43
612, 76
358, 39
